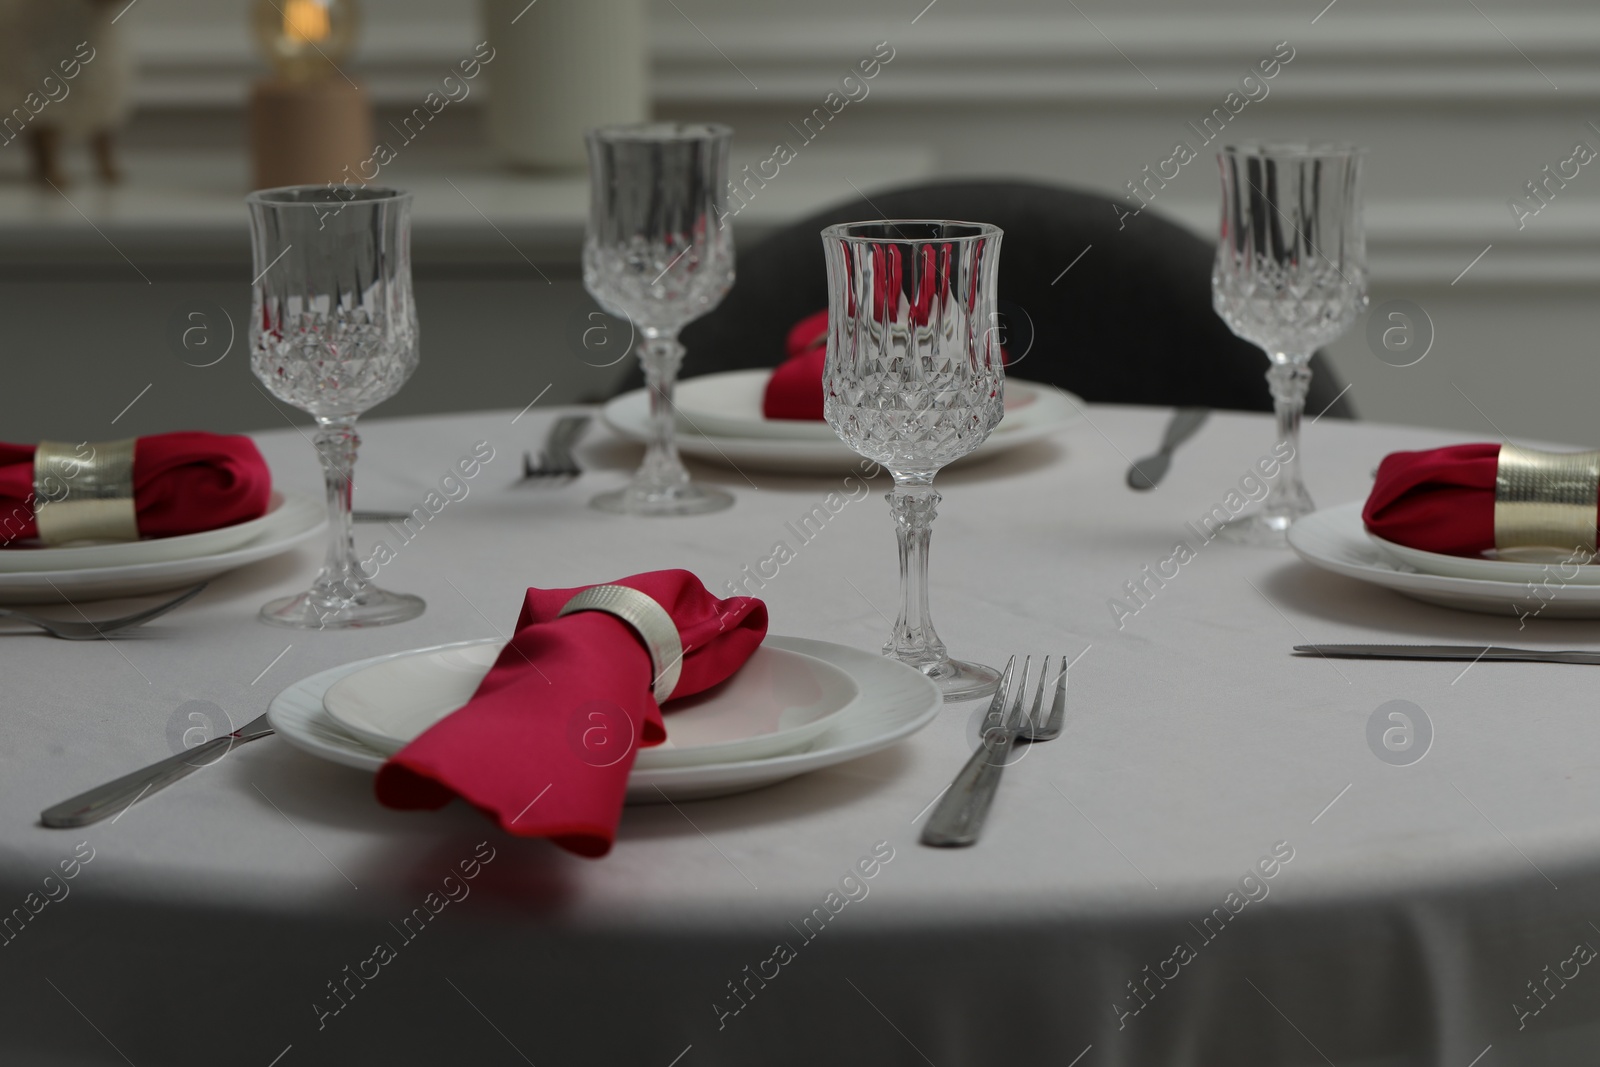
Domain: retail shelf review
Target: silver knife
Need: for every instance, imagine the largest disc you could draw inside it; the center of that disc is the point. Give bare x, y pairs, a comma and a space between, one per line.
120, 795
1145, 473
1453, 652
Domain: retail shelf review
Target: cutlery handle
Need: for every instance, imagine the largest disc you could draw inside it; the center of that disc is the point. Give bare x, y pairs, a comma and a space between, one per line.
958, 819
1185, 422
118, 795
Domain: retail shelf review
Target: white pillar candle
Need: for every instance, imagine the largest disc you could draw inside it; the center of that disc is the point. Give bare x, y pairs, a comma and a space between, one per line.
561, 67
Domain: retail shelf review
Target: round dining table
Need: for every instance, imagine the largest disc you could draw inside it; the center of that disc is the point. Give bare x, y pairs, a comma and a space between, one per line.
1215, 864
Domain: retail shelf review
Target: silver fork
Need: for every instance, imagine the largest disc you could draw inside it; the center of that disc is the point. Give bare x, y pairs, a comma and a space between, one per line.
94, 631
1051, 727
958, 819
556, 459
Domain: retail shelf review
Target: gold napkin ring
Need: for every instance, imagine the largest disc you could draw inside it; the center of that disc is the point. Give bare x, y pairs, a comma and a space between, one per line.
648, 619
1546, 499
84, 492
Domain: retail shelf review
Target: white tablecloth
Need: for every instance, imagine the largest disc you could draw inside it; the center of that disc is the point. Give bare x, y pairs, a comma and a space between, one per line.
214, 921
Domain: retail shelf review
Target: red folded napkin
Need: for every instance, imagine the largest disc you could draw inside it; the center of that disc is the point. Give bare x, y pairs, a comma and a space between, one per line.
1441, 500
182, 483
795, 389
546, 743
810, 334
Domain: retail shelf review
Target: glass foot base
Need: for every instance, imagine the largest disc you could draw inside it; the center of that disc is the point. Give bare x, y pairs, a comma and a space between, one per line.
688, 499
1261, 530
371, 607
959, 680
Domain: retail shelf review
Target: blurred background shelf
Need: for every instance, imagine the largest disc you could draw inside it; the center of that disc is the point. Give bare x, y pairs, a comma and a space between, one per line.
184, 207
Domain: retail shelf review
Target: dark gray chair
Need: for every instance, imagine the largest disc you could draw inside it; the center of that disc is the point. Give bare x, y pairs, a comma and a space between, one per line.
1130, 322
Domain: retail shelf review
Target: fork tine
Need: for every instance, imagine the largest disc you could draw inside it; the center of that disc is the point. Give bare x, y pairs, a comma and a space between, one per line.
995, 717
540, 471
556, 461
1058, 709
1036, 716
1019, 693
1039, 728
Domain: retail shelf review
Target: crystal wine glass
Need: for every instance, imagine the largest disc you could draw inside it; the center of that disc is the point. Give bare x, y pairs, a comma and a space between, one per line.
659, 252
333, 331
1290, 276
914, 380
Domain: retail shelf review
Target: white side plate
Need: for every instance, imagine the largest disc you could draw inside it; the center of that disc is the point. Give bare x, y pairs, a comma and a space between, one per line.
895, 702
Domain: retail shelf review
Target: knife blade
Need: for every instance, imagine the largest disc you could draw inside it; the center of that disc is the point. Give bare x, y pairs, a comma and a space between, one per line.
1453, 652
123, 793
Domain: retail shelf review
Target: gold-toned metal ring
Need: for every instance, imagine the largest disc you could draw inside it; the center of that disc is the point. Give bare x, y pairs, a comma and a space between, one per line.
1546, 499
84, 492
649, 620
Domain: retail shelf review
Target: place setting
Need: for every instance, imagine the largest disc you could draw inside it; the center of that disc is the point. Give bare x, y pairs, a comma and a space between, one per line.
763, 419
1489, 528
92, 521
99, 520
1495, 529
911, 379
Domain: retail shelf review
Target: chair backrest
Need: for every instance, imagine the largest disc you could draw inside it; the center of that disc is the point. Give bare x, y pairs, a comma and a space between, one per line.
1118, 308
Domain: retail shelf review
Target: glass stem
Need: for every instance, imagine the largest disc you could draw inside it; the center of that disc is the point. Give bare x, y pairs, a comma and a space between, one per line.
661, 356
1289, 378
341, 578
914, 503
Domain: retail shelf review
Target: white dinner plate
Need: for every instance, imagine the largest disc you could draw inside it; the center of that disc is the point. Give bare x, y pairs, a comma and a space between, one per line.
895, 702
1336, 540
778, 701
1553, 565
149, 550
729, 405
629, 415
300, 518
